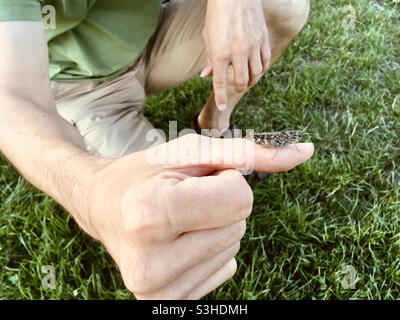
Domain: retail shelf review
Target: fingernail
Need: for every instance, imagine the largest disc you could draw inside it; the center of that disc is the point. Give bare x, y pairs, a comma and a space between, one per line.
222, 107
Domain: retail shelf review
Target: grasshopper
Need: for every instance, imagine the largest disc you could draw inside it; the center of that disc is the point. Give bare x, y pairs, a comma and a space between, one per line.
278, 139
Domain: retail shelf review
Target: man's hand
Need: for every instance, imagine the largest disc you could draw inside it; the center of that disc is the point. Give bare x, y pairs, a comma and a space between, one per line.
174, 228
235, 33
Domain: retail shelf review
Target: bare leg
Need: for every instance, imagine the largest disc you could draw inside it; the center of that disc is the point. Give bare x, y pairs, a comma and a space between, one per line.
285, 19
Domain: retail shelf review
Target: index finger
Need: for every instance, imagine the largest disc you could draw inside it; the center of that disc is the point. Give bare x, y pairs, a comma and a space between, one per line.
220, 71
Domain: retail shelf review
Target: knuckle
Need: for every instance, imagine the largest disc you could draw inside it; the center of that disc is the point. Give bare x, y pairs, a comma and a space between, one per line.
241, 89
231, 268
132, 271
235, 249
241, 229
185, 145
294, 16
235, 232
242, 85
150, 221
191, 139
134, 226
223, 56
142, 278
219, 83
243, 197
257, 72
214, 246
242, 82
246, 202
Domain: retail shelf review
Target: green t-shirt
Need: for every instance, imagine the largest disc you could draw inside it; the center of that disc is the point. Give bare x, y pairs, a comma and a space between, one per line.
92, 39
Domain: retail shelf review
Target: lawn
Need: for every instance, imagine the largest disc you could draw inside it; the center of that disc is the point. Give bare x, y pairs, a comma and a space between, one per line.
340, 208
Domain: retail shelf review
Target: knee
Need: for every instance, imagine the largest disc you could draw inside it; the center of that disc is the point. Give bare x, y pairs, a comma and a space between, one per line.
287, 16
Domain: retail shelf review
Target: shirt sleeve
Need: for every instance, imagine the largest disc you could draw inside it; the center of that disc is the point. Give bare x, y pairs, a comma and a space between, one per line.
13, 10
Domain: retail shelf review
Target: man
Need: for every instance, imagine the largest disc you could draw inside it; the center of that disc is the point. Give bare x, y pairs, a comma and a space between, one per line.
172, 228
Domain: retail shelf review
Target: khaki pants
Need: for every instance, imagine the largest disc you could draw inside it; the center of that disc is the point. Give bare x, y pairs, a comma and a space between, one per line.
109, 115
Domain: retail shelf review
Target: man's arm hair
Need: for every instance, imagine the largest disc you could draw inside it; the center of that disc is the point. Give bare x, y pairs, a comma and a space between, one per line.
45, 148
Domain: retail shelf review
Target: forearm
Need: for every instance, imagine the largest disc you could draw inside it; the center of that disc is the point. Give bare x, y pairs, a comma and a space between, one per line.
45, 148
41, 146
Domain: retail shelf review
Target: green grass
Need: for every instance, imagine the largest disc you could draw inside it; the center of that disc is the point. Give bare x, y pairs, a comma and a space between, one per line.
340, 208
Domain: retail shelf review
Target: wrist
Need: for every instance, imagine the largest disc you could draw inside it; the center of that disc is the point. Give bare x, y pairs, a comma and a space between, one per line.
74, 179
